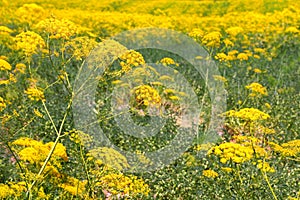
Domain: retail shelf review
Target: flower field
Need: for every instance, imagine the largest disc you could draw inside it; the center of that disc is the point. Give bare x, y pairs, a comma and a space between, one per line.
232, 129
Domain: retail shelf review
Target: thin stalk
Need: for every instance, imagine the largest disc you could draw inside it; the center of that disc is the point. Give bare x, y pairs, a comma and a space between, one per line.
54, 145
268, 182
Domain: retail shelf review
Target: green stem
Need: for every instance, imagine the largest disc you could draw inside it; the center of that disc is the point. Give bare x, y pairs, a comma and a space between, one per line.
268, 182
58, 132
85, 167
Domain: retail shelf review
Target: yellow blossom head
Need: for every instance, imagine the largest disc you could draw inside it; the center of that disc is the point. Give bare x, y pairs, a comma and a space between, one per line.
146, 95
4, 65
29, 42
58, 29
257, 89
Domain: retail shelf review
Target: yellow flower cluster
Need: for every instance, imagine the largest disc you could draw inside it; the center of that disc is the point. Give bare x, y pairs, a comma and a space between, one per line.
20, 67
130, 59
110, 157
257, 89
2, 104
172, 94
142, 158
251, 142
11, 189
226, 169
221, 57
248, 114
210, 173
256, 70
168, 61
234, 31
259, 50
30, 13
147, 95
237, 153
232, 55
35, 152
212, 39
228, 42
58, 29
74, 186
117, 183
263, 130
242, 56
220, 78
291, 148
80, 47
5, 30
29, 42
35, 94
4, 65
264, 166
196, 33
203, 147
5, 191
292, 30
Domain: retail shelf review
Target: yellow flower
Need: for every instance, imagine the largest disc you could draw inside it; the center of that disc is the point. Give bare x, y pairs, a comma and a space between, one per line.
31, 155
265, 167
74, 186
256, 56
59, 151
5, 191
42, 195
256, 70
221, 57
291, 148
80, 47
212, 39
268, 105
147, 95
2, 104
35, 152
196, 33
251, 114
259, 50
131, 59
168, 61
210, 173
20, 67
228, 43
5, 30
227, 169
232, 151
242, 56
220, 78
110, 157
292, 29
234, 31
233, 52
26, 142
35, 94
12, 78
257, 89
30, 13
203, 147
58, 29
142, 158
4, 65
29, 42
117, 183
